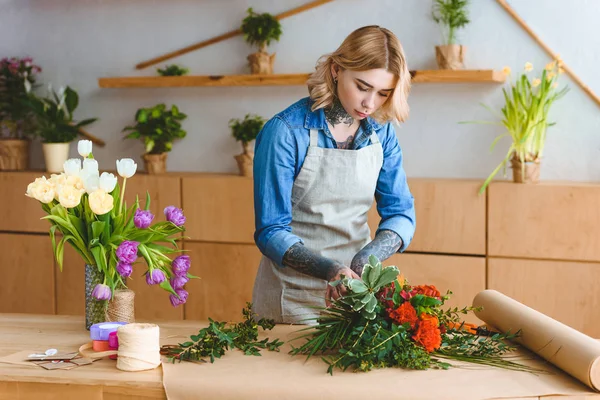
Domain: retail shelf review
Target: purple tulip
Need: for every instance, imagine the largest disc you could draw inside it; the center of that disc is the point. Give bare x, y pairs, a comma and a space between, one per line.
180, 265
175, 215
124, 269
142, 218
155, 277
127, 251
181, 297
101, 292
177, 282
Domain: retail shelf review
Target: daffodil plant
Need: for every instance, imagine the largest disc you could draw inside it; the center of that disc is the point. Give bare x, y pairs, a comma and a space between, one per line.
525, 114
88, 210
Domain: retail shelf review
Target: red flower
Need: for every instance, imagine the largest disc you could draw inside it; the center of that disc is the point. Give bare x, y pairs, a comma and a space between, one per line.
385, 296
428, 335
426, 290
405, 313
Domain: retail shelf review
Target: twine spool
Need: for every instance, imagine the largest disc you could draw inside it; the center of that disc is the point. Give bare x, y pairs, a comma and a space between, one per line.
121, 307
139, 347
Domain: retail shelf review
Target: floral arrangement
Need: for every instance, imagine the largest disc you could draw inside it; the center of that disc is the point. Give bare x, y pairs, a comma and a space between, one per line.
17, 78
383, 321
88, 210
525, 114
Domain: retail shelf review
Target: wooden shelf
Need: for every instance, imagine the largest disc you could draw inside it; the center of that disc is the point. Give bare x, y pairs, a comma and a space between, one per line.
425, 76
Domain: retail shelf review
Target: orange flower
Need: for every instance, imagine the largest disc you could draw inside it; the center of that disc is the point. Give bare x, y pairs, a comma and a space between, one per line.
427, 290
431, 318
405, 313
428, 335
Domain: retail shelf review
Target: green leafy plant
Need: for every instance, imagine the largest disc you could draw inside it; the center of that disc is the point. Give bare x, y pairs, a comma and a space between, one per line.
17, 78
384, 322
525, 115
53, 116
246, 130
260, 29
218, 337
158, 127
452, 15
173, 70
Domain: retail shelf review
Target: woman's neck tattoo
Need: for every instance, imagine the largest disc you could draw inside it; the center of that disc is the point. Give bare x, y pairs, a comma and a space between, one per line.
336, 114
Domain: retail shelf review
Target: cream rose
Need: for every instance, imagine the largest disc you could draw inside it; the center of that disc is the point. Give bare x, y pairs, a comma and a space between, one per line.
42, 190
69, 196
100, 202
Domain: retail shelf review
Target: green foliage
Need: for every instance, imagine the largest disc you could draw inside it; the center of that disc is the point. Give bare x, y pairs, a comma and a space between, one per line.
452, 14
158, 127
246, 130
218, 337
173, 70
53, 115
260, 29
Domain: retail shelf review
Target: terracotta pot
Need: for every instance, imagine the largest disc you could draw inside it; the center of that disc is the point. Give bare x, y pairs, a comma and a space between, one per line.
55, 155
245, 163
529, 172
450, 56
155, 163
14, 154
261, 63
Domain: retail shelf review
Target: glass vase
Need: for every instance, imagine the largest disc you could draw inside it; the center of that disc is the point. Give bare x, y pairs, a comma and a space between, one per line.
95, 310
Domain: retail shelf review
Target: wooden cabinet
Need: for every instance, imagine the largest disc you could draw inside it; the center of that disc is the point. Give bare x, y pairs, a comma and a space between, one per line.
20, 213
227, 273
565, 291
27, 274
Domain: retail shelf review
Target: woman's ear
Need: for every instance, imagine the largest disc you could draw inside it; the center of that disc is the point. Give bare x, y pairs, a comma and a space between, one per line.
334, 70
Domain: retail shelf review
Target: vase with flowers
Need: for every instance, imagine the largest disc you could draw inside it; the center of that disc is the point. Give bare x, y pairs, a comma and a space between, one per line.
17, 78
87, 210
525, 120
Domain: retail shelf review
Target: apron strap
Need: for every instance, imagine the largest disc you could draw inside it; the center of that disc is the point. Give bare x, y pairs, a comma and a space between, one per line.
374, 137
314, 138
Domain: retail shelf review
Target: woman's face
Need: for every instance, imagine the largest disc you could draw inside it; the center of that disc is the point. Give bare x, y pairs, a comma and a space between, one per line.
363, 92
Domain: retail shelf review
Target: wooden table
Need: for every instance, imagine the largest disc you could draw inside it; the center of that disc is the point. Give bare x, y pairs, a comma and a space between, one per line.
229, 376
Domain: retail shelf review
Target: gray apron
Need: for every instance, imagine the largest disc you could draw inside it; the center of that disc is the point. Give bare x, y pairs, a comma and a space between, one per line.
331, 197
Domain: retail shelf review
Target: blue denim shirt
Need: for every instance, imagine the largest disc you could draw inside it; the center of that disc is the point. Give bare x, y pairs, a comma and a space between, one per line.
280, 149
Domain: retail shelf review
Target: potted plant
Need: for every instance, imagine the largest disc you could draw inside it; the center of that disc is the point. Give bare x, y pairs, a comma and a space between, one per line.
54, 124
259, 30
525, 118
172, 70
17, 77
158, 127
245, 131
451, 15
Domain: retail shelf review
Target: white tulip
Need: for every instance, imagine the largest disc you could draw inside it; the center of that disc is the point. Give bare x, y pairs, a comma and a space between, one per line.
91, 181
72, 167
107, 182
126, 167
84, 147
90, 165
69, 197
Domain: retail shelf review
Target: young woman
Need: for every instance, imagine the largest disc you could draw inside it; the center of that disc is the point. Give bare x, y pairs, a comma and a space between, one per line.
318, 166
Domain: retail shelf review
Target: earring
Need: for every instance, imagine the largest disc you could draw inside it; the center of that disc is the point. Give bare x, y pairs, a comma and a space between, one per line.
335, 80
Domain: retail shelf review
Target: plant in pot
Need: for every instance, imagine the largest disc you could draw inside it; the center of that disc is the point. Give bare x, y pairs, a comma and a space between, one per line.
245, 131
452, 16
54, 124
259, 30
17, 78
525, 119
158, 127
172, 70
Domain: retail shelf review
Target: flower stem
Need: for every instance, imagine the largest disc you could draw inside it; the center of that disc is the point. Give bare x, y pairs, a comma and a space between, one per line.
122, 196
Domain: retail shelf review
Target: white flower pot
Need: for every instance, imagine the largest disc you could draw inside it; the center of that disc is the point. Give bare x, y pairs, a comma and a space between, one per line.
55, 155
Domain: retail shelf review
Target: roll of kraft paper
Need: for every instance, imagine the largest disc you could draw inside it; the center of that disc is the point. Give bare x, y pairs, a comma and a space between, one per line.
570, 350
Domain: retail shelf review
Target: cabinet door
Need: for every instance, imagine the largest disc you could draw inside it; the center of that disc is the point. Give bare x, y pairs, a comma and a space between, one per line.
20, 213
27, 274
565, 291
464, 276
227, 273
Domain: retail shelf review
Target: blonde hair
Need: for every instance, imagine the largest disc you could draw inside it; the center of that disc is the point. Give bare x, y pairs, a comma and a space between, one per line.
369, 47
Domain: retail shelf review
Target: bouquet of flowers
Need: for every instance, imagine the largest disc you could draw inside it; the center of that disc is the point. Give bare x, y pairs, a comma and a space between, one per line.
383, 321
88, 210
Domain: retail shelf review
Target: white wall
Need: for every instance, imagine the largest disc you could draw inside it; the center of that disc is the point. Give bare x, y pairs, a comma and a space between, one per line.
78, 41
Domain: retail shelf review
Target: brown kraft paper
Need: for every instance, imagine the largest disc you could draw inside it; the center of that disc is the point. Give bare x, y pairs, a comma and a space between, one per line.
570, 350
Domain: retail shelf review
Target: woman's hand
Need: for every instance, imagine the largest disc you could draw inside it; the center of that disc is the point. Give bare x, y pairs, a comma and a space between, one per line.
335, 292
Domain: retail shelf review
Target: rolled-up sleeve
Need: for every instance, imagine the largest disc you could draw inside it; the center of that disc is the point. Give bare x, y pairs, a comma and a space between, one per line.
395, 202
274, 170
